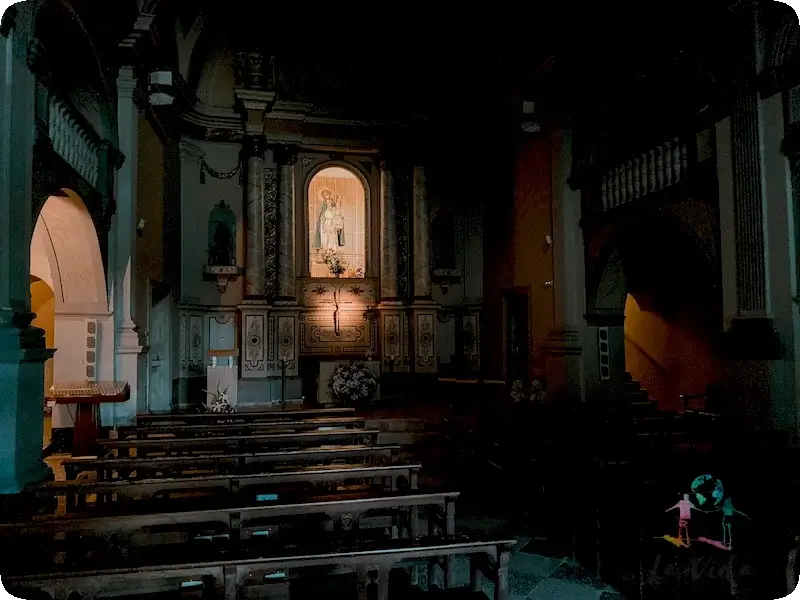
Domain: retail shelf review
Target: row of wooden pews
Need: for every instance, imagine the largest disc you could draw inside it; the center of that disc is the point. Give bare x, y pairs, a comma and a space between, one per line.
242, 505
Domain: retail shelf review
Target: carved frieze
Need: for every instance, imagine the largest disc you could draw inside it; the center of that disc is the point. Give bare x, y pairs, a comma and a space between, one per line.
344, 291
270, 232
183, 355
471, 341
283, 331
196, 359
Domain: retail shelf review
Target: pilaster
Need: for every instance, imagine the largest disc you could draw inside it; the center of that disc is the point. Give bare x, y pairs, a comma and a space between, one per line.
254, 286
286, 157
421, 236
562, 349
389, 284
123, 246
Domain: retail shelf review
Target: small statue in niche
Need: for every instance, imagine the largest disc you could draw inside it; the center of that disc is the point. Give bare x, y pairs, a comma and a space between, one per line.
222, 236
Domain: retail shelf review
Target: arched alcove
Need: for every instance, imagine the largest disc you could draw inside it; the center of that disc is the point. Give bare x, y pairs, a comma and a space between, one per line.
337, 223
66, 258
659, 308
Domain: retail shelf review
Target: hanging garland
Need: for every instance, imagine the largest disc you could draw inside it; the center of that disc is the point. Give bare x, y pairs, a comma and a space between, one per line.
205, 168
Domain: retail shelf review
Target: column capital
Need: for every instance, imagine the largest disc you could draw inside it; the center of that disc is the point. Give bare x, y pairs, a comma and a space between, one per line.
253, 146
285, 155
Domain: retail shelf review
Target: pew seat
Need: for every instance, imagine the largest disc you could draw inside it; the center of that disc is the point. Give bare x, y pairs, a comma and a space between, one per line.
391, 477
251, 566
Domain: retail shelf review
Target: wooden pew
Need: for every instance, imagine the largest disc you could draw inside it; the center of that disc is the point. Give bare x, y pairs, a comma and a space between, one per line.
233, 575
147, 430
240, 443
73, 539
238, 462
106, 491
243, 416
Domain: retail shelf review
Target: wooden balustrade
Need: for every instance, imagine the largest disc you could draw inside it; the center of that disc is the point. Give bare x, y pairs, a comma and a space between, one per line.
73, 139
649, 172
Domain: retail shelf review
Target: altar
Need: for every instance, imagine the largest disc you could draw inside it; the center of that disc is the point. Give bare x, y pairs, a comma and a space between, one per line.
326, 369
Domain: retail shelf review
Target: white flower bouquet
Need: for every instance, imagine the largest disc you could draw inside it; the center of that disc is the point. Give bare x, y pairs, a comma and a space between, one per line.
353, 382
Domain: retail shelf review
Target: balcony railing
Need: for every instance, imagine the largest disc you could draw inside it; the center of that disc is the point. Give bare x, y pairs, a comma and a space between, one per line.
73, 139
652, 171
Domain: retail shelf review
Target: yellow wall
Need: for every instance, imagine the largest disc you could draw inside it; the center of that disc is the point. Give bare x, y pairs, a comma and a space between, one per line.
150, 207
43, 304
668, 358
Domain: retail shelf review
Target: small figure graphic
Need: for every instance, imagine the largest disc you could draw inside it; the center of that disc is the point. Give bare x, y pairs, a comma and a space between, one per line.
685, 508
727, 514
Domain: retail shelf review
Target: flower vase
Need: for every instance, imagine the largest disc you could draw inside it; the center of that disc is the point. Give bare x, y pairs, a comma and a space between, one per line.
337, 275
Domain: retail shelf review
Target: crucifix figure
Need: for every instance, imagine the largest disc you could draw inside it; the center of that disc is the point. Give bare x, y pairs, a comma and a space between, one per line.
336, 312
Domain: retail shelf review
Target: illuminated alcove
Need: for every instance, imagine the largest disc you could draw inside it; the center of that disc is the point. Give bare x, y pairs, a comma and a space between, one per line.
65, 258
336, 224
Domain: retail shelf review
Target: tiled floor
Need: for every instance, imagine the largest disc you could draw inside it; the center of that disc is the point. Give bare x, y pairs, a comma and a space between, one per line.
531, 576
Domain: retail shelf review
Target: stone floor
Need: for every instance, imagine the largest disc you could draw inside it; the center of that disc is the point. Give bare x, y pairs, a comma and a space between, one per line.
532, 576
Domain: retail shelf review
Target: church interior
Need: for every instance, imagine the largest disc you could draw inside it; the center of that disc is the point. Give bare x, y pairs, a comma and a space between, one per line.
406, 313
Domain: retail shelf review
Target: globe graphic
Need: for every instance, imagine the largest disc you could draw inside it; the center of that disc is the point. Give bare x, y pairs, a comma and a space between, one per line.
708, 490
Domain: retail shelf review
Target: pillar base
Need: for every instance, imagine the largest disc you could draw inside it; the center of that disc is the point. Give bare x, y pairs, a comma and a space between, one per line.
126, 360
21, 405
751, 338
562, 350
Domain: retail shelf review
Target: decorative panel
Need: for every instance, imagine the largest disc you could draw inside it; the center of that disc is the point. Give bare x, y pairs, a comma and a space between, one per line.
424, 346
222, 331
394, 338
283, 346
254, 338
472, 341
330, 333
196, 349
270, 232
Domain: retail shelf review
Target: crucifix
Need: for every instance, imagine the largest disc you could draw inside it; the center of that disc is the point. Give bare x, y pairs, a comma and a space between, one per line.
336, 312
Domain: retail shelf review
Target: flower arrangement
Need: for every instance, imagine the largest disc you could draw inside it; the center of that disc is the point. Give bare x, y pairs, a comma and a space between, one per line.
336, 265
353, 382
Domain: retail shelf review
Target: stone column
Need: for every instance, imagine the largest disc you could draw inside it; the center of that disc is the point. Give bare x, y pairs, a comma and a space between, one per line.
123, 246
285, 157
562, 348
22, 347
421, 230
389, 288
254, 285
758, 261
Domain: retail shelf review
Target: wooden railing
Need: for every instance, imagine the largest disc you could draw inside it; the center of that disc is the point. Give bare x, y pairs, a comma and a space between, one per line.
73, 139
649, 172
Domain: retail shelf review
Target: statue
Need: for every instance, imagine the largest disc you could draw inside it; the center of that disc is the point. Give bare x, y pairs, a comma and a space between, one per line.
330, 224
222, 236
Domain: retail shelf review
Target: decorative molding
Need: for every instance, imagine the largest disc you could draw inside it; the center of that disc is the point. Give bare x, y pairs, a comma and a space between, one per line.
358, 292
195, 343
354, 334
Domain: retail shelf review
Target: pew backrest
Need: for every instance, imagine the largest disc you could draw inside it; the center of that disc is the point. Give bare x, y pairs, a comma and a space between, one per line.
243, 416
106, 467
181, 430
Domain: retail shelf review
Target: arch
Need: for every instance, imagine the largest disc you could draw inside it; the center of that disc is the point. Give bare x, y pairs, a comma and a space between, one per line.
65, 253
341, 182
638, 239
67, 42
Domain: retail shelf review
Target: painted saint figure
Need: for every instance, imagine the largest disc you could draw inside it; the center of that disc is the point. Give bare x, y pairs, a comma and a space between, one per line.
330, 223
685, 508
